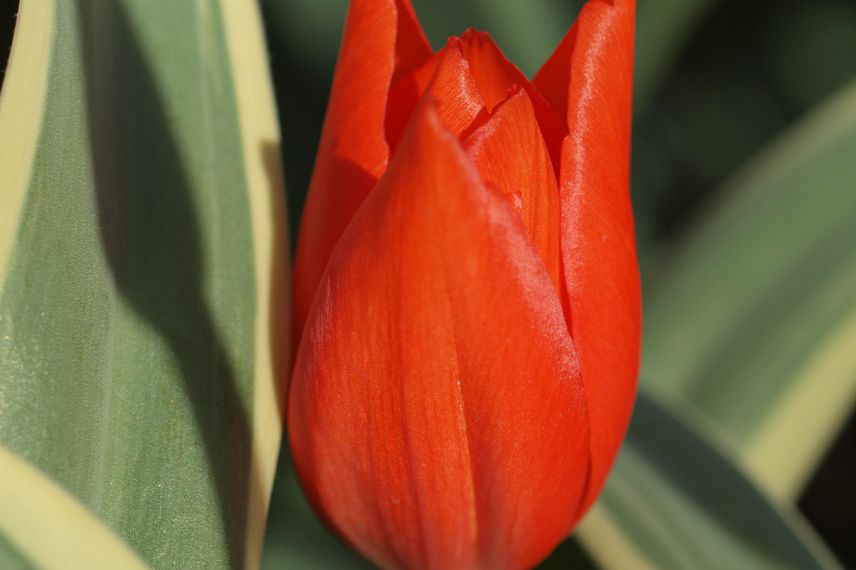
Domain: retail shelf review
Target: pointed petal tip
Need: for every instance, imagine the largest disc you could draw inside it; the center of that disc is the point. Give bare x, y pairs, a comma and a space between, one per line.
381, 40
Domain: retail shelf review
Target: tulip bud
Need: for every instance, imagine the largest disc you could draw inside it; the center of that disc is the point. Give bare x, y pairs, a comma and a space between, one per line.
466, 291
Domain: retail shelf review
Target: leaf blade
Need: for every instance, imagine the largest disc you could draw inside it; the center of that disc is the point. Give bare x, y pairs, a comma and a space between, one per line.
141, 310
740, 324
676, 500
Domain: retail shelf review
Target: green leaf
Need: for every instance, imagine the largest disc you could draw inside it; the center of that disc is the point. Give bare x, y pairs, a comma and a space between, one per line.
755, 320
10, 558
675, 500
142, 269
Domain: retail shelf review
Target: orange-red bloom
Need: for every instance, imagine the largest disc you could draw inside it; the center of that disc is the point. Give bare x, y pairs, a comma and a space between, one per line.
466, 291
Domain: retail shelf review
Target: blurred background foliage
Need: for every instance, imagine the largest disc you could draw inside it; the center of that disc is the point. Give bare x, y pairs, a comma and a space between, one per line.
718, 84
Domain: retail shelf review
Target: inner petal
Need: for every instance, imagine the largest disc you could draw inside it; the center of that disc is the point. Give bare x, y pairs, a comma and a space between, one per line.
499, 124
494, 77
455, 91
488, 67
446, 77
510, 154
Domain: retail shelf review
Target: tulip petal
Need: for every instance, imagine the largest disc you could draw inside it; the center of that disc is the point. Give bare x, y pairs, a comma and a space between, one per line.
404, 94
450, 85
454, 91
436, 414
381, 38
488, 67
589, 79
411, 45
493, 76
496, 76
510, 155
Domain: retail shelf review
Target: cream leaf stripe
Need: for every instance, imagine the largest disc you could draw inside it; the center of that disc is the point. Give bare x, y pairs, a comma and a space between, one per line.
260, 141
607, 543
784, 452
50, 528
22, 104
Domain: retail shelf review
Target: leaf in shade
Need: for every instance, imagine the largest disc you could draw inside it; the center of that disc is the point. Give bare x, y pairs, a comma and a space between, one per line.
676, 500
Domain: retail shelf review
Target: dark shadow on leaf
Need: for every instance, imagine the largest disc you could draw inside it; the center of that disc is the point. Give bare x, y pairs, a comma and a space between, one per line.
152, 240
696, 471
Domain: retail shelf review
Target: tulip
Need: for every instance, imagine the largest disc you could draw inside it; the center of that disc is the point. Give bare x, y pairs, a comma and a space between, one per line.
466, 291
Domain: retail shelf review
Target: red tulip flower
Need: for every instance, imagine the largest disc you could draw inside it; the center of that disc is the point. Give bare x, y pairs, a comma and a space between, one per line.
466, 291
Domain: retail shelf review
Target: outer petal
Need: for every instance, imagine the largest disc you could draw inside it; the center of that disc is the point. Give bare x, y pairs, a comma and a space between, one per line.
510, 155
436, 414
590, 79
381, 38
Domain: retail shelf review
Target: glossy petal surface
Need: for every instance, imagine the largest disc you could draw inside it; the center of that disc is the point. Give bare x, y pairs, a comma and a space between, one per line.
381, 38
589, 79
436, 412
